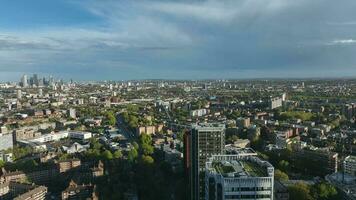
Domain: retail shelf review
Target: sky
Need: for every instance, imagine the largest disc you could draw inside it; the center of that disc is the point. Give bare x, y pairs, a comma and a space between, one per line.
177, 39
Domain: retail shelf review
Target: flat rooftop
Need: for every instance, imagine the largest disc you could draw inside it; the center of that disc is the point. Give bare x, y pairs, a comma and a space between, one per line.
239, 168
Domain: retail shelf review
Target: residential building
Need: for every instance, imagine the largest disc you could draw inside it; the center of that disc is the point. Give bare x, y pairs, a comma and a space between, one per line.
22, 191
203, 141
6, 141
76, 191
275, 102
243, 122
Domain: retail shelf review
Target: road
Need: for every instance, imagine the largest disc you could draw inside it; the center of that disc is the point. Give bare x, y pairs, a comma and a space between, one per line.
123, 129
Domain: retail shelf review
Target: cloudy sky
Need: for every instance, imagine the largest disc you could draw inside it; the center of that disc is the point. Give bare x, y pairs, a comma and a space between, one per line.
177, 39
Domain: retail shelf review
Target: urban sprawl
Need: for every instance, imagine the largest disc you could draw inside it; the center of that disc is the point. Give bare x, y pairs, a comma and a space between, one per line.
178, 139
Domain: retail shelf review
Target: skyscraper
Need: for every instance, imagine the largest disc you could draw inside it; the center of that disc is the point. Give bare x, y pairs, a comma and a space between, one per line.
24, 82
35, 80
201, 143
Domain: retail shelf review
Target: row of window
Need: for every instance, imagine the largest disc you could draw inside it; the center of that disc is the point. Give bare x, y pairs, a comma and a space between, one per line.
247, 196
233, 189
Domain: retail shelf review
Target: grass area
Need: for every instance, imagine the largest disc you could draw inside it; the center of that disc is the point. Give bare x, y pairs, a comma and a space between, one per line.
253, 169
223, 169
305, 116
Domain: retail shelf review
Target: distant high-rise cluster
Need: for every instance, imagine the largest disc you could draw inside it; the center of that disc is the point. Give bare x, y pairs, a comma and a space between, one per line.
36, 81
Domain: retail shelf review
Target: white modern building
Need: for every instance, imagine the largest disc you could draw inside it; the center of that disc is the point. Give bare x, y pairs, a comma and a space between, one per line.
239, 176
6, 141
61, 135
350, 165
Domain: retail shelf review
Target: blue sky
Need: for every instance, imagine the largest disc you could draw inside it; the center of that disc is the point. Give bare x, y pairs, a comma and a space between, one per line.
177, 39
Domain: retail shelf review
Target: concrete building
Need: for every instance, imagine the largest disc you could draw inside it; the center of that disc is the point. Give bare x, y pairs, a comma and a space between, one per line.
6, 141
40, 92
24, 82
16, 176
19, 94
201, 143
21, 191
350, 165
321, 162
76, 191
198, 112
238, 177
243, 122
275, 102
72, 113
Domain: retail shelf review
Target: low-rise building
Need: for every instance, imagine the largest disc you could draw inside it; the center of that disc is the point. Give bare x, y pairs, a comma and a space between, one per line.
76, 191
22, 191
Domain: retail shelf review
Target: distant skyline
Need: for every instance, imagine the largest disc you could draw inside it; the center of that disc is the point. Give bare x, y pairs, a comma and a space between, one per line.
177, 39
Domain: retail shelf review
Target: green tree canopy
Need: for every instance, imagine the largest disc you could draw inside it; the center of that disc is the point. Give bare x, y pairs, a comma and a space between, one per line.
117, 154
324, 191
299, 191
132, 155
107, 155
147, 159
110, 118
281, 176
146, 144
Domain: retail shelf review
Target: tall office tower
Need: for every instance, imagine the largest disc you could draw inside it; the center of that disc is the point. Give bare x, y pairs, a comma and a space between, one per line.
240, 176
35, 80
40, 82
51, 80
24, 82
201, 143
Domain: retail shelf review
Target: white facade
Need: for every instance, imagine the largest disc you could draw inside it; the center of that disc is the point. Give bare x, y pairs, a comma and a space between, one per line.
240, 182
198, 112
350, 165
6, 141
61, 135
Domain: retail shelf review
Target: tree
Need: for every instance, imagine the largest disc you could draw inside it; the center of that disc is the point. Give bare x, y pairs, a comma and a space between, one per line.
283, 165
64, 156
110, 118
125, 116
180, 135
117, 154
147, 160
133, 121
2, 163
94, 144
107, 155
299, 191
281, 176
147, 149
324, 191
135, 145
146, 144
132, 155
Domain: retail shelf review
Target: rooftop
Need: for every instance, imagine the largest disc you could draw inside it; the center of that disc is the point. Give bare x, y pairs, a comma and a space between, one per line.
244, 166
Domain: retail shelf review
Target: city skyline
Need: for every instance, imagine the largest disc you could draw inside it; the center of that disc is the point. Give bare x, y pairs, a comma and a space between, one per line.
124, 40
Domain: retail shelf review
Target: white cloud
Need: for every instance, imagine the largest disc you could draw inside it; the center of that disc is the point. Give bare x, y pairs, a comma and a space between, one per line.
220, 11
343, 42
